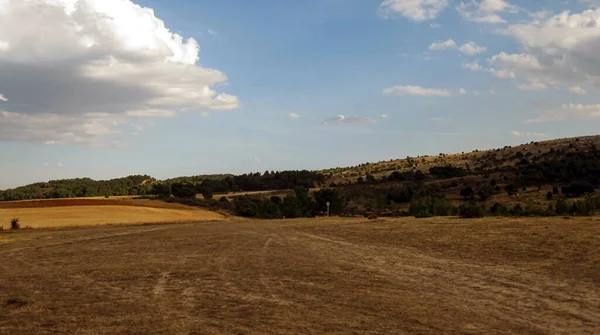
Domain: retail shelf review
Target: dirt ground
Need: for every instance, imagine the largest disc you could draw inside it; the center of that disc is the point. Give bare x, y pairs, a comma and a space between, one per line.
401, 276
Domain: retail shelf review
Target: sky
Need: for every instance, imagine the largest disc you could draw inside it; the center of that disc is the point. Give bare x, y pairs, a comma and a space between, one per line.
109, 88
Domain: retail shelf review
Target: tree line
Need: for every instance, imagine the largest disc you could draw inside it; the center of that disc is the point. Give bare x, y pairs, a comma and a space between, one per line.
80, 187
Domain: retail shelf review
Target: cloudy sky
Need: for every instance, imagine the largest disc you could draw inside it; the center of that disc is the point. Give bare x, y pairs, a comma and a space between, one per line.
107, 88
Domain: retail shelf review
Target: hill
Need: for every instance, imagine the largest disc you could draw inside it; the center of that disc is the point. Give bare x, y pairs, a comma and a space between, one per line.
529, 178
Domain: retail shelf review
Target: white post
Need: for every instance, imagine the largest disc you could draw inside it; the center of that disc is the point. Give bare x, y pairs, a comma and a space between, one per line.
328, 203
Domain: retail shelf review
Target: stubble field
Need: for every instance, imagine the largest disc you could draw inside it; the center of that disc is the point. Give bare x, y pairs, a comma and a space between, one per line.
91, 212
400, 276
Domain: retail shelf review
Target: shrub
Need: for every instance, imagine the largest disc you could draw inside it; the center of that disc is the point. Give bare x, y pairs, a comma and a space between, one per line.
223, 200
14, 224
428, 207
470, 210
207, 193
563, 206
517, 210
577, 189
511, 190
467, 192
549, 195
423, 214
485, 192
498, 209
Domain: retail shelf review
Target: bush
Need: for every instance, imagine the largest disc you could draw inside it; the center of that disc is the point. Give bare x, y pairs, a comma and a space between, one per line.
549, 195
470, 210
428, 207
207, 193
498, 209
14, 224
485, 192
577, 189
467, 192
224, 200
511, 190
423, 214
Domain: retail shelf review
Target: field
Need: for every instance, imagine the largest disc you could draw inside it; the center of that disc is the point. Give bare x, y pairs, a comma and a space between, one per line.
89, 212
392, 276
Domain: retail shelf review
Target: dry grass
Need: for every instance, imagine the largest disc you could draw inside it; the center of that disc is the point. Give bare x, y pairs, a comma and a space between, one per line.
49, 217
400, 276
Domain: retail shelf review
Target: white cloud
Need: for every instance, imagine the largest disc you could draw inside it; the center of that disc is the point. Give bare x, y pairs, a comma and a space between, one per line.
293, 116
475, 66
472, 66
532, 86
568, 111
60, 164
108, 61
435, 25
119, 144
486, 11
516, 133
257, 159
471, 48
3, 98
560, 51
540, 15
439, 119
416, 90
151, 113
416, 10
577, 90
462, 91
442, 45
384, 116
341, 119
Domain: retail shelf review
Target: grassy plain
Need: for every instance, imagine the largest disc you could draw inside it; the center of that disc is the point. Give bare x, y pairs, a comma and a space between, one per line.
387, 276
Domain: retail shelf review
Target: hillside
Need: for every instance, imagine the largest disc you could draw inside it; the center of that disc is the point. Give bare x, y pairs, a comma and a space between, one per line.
534, 174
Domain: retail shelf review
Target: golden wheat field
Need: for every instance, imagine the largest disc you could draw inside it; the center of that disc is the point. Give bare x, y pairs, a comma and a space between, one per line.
68, 216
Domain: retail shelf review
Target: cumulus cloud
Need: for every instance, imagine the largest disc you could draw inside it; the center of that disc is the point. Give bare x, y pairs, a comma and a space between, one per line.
486, 11
442, 45
532, 86
384, 116
82, 69
516, 133
416, 10
568, 111
257, 159
341, 119
3, 98
577, 90
475, 66
560, 51
462, 91
416, 90
471, 48
293, 116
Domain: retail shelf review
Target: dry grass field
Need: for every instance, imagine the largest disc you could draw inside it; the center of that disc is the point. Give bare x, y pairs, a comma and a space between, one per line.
400, 276
49, 217
90, 212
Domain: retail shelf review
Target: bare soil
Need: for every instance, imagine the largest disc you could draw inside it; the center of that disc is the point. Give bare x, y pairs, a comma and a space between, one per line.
443, 275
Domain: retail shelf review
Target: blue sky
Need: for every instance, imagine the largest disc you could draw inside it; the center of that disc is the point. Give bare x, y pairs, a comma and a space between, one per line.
284, 84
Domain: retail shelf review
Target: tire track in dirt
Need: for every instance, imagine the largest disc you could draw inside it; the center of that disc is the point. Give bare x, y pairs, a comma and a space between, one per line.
468, 283
12, 251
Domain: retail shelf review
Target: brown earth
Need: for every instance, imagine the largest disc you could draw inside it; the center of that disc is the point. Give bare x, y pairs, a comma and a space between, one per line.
432, 276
